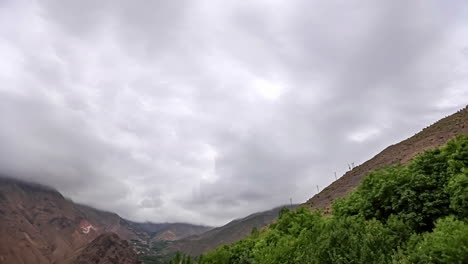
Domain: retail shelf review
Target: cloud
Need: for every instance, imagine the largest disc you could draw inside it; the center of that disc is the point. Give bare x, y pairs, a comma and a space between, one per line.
364, 134
204, 111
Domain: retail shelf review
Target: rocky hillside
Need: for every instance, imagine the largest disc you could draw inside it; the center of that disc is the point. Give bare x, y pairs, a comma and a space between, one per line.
39, 225
433, 136
224, 235
107, 248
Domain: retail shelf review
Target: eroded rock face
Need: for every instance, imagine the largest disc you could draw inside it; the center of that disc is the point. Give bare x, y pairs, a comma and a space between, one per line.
106, 249
86, 227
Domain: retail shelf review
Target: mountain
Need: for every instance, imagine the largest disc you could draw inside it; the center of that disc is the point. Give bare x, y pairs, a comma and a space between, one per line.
107, 248
430, 137
224, 235
40, 225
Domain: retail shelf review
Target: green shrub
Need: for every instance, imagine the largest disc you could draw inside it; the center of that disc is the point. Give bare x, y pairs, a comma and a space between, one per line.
350, 239
448, 243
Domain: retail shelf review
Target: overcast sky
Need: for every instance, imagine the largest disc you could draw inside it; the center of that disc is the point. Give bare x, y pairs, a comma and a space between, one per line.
205, 111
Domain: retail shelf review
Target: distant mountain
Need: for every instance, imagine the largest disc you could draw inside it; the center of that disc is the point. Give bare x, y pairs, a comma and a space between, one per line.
433, 136
107, 248
224, 235
169, 231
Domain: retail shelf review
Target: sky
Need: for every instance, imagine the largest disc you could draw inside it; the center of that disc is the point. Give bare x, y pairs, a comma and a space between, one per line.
203, 111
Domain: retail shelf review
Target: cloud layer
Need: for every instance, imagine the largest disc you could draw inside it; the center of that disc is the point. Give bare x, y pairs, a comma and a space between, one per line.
204, 111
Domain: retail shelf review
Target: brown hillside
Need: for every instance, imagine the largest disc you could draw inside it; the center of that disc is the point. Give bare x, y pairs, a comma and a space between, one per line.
433, 136
38, 225
107, 248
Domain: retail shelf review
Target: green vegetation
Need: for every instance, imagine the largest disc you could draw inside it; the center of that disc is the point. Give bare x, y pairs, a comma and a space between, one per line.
150, 252
401, 214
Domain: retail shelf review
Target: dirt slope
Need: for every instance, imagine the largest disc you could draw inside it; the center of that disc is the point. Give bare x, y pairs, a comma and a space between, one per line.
433, 136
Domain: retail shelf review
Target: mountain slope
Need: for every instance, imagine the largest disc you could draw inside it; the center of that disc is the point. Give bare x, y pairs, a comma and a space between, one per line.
105, 249
433, 136
38, 225
224, 235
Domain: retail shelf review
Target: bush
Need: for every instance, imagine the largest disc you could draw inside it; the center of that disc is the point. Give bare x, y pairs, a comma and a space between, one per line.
448, 243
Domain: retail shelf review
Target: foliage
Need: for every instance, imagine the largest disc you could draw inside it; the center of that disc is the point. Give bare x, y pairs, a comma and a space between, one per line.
400, 214
457, 189
448, 243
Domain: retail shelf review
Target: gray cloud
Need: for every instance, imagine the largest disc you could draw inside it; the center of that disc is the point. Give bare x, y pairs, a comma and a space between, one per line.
204, 111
